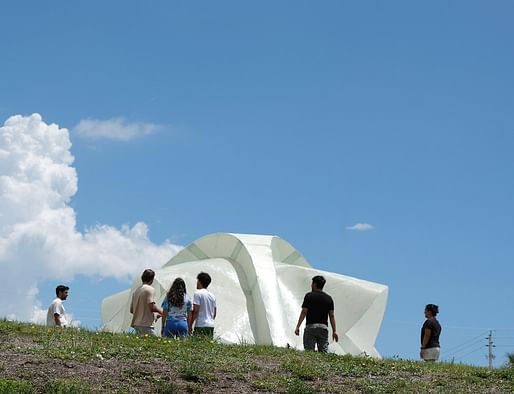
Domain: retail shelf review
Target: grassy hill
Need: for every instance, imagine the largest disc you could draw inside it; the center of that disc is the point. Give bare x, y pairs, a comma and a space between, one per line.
38, 359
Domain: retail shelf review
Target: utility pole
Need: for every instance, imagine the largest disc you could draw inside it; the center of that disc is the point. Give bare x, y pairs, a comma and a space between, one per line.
490, 346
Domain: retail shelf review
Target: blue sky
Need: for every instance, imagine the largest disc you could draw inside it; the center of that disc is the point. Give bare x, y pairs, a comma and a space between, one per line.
298, 119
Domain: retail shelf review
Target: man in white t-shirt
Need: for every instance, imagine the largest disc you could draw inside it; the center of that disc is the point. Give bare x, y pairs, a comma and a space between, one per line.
56, 315
204, 306
142, 305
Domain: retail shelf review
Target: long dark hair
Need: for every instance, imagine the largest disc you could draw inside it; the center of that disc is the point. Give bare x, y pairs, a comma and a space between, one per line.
177, 293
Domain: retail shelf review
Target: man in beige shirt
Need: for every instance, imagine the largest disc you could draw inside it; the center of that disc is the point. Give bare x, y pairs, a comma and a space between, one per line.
143, 305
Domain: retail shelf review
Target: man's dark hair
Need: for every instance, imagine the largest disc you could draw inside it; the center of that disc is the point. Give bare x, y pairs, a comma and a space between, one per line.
433, 309
319, 281
60, 288
148, 275
204, 278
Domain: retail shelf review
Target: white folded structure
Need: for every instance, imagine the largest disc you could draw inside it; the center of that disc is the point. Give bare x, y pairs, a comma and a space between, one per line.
259, 282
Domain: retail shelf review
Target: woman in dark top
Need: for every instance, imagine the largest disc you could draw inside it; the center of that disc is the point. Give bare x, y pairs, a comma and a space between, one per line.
430, 349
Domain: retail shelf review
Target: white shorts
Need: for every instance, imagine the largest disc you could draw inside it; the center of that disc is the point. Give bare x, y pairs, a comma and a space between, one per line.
430, 354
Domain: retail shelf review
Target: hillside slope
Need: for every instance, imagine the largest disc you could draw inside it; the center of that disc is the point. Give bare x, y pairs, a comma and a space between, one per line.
37, 359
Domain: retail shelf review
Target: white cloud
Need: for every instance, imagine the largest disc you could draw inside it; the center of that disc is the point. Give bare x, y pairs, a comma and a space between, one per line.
38, 236
115, 129
360, 227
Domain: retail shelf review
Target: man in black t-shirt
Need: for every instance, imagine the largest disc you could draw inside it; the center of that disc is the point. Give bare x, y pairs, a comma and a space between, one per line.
318, 307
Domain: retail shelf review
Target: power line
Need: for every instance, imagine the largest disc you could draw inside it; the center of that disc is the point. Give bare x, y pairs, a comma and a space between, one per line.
465, 348
467, 342
471, 352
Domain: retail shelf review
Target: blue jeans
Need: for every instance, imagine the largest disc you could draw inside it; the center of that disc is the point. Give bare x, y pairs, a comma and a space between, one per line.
175, 328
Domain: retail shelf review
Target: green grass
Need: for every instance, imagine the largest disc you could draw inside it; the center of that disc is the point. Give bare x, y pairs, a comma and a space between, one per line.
8, 386
33, 357
63, 387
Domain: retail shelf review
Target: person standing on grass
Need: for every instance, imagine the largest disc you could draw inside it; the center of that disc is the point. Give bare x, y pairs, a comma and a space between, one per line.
56, 315
317, 307
142, 305
430, 348
177, 311
204, 306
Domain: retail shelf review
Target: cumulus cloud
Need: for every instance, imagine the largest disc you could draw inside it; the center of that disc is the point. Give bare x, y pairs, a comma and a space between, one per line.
38, 235
360, 227
115, 129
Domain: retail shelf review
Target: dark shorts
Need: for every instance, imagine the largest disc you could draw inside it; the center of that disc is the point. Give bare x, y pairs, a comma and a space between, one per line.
204, 331
317, 335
